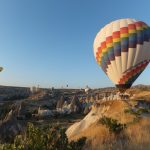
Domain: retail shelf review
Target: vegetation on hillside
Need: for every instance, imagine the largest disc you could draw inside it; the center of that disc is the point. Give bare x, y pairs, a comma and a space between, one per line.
137, 112
134, 136
113, 125
49, 138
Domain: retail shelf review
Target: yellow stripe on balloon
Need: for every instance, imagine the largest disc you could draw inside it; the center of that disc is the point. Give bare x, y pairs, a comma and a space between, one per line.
124, 35
109, 45
116, 40
99, 62
100, 58
132, 31
139, 28
104, 50
145, 26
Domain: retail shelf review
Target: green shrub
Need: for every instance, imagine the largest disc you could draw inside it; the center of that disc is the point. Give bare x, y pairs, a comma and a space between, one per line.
142, 110
137, 112
50, 138
112, 124
131, 112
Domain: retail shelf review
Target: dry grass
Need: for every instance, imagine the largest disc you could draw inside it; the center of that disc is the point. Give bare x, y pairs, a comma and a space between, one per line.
94, 130
110, 109
116, 111
140, 94
139, 135
135, 137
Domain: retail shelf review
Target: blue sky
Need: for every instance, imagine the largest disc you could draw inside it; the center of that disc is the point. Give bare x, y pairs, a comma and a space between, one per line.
50, 42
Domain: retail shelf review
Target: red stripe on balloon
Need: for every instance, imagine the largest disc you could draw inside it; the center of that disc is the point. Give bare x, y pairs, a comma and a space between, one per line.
132, 72
124, 30
131, 26
109, 39
116, 34
103, 45
138, 24
99, 49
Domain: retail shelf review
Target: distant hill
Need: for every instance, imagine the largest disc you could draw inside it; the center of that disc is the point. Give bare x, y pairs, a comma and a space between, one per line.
141, 86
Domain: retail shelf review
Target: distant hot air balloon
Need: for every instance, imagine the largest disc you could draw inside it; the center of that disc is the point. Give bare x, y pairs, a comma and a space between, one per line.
122, 49
87, 89
1, 69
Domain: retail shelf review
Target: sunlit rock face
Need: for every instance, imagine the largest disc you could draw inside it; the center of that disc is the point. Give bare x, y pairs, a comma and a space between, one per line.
114, 109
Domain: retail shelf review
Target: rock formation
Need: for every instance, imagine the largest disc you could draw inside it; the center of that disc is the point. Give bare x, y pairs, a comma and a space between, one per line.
113, 109
10, 126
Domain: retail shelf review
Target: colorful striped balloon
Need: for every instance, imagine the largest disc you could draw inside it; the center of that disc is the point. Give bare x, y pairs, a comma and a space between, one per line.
122, 49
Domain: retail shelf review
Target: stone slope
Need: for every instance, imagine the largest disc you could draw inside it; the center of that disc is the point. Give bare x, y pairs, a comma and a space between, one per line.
112, 109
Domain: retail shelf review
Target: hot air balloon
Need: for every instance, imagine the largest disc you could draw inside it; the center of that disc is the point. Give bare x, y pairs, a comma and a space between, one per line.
1, 69
122, 50
87, 89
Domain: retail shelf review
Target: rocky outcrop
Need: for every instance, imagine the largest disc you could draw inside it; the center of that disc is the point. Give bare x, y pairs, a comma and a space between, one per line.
113, 109
60, 102
44, 112
75, 105
66, 107
10, 126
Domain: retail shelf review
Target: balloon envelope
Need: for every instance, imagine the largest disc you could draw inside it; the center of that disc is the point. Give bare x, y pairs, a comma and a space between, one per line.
122, 49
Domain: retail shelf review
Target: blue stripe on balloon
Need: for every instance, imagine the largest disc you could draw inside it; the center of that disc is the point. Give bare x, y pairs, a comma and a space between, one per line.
124, 41
140, 37
103, 65
146, 38
132, 40
117, 49
132, 37
124, 44
111, 54
106, 59
148, 32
